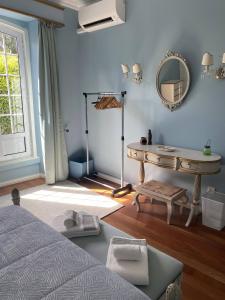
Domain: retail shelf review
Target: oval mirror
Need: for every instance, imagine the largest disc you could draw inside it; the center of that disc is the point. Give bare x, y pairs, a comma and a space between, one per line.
173, 80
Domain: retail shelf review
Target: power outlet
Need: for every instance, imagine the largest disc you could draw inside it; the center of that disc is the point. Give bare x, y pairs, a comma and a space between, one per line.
211, 189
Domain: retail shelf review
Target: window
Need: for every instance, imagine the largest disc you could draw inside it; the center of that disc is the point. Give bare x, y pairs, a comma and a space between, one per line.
15, 102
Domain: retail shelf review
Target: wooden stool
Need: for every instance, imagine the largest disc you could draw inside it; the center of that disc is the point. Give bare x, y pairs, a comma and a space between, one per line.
164, 192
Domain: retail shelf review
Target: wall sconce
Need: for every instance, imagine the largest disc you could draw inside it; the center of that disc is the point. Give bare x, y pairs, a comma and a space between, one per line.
207, 62
136, 70
125, 70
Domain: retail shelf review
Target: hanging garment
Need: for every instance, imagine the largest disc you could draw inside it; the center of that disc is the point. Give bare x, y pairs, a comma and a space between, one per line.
107, 102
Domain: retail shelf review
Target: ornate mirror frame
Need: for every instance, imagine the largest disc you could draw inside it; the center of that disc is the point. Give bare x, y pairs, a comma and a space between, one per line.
177, 56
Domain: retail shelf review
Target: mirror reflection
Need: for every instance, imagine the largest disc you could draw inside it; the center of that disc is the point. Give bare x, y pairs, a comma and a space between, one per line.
173, 80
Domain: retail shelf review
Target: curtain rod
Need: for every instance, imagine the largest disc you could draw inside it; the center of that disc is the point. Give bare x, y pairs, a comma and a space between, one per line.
106, 93
51, 4
56, 24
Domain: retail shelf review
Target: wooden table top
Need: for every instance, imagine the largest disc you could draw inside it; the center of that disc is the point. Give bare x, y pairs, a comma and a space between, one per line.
184, 153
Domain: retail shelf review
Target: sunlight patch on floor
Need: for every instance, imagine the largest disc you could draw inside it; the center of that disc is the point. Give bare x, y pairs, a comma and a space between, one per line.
85, 198
66, 187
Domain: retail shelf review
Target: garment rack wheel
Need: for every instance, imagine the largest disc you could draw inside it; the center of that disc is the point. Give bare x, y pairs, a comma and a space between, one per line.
122, 191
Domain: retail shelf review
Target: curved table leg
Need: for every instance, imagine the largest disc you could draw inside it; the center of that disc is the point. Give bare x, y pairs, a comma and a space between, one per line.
136, 201
142, 172
196, 199
191, 215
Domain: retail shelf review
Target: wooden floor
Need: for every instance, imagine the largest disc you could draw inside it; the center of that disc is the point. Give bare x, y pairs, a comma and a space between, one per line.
201, 249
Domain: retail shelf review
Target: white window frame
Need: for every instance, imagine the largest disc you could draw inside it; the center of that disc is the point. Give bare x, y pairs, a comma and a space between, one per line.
22, 37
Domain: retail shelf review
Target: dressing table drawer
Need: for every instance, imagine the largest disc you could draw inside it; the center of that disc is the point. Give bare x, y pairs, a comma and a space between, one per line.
138, 155
162, 161
199, 167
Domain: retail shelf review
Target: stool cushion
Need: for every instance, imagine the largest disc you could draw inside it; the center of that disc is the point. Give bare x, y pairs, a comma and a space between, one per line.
163, 269
158, 187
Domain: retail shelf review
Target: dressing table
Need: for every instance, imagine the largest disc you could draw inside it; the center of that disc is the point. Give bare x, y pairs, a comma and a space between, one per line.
178, 159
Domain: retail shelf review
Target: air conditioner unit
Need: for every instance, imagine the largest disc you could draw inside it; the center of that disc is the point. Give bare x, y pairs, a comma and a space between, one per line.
102, 14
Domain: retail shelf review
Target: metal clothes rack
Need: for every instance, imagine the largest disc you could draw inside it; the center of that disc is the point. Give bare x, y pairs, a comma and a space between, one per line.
123, 189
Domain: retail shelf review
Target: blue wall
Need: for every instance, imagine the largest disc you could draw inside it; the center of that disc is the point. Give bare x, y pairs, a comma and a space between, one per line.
153, 27
69, 79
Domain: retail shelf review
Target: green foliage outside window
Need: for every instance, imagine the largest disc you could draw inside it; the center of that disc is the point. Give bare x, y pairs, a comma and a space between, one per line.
9, 63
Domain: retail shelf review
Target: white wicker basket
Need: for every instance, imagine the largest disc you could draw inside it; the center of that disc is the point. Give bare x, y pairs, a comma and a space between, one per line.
213, 210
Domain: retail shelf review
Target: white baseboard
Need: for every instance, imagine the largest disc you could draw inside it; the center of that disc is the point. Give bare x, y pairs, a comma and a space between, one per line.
22, 179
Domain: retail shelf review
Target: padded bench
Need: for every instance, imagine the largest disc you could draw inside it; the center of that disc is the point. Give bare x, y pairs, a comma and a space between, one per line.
37, 262
163, 269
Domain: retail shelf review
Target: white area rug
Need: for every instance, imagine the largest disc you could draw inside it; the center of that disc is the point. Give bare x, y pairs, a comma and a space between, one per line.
46, 202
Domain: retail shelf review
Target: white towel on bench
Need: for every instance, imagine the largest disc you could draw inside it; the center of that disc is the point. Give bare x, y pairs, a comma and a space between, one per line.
127, 252
134, 271
71, 218
85, 225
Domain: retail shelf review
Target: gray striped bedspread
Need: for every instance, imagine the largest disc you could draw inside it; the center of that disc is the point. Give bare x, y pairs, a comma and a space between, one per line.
36, 262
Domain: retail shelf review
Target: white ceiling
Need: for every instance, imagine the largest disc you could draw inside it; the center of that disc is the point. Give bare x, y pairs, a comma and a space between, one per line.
74, 4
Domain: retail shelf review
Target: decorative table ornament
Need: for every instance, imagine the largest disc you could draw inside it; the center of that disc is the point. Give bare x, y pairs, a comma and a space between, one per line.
166, 148
143, 140
149, 137
207, 148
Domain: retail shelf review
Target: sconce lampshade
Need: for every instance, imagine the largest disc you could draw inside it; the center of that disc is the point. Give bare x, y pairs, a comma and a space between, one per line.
125, 69
223, 59
136, 68
207, 59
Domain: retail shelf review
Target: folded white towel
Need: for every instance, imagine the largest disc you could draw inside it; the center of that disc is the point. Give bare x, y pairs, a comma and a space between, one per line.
85, 225
134, 271
126, 241
126, 252
71, 217
88, 222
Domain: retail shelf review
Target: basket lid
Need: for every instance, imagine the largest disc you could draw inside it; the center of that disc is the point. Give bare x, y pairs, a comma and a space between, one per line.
215, 196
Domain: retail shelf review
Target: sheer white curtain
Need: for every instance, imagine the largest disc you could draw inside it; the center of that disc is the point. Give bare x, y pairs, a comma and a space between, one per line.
53, 140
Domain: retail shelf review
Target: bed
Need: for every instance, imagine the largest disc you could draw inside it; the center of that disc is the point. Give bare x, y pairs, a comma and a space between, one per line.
36, 262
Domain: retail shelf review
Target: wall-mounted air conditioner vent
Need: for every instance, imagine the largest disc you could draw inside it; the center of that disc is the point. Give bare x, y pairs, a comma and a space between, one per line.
99, 22
103, 14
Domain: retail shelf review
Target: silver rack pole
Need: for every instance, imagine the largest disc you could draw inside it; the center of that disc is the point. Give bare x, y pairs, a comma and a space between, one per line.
86, 132
122, 144
105, 93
